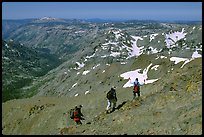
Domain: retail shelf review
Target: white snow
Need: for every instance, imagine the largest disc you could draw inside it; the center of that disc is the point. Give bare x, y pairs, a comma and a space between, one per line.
88, 57
117, 34
78, 73
104, 56
85, 72
80, 65
153, 50
80, 31
109, 42
160, 57
136, 51
152, 36
6, 45
76, 95
186, 60
6, 58
177, 59
115, 54
95, 66
47, 18
86, 92
123, 63
196, 55
65, 73
74, 85
103, 71
155, 67
142, 77
163, 57
172, 38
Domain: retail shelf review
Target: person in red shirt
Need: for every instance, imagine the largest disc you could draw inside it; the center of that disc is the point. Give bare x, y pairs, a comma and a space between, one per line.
78, 116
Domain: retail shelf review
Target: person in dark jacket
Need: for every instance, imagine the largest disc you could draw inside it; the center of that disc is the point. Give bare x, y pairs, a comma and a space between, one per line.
112, 99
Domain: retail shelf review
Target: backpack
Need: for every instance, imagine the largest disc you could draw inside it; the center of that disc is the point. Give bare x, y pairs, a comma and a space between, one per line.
71, 113
110, 94
136, 87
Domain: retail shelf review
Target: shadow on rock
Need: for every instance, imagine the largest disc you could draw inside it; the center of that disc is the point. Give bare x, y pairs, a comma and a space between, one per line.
119, 106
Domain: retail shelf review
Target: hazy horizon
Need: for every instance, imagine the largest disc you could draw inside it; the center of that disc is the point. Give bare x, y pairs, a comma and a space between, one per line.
158, 11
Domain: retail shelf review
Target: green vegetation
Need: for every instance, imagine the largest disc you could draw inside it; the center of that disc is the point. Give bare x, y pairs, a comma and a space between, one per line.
20, 65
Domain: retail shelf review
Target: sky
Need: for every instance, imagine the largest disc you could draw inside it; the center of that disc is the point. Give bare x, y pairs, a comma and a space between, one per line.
171, 11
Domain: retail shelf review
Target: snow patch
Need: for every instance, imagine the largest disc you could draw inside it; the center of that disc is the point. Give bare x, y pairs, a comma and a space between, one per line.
95, 66
152, 36
142, 77
76, 95
88, 57
74, 85
155, 67
85, 72
185, 60
115, 54
196, 55
136, 51
87, 92
80, 65
172, 38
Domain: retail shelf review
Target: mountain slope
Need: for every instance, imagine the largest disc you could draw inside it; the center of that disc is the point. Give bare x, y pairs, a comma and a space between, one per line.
20, 65
165, 57
162, 109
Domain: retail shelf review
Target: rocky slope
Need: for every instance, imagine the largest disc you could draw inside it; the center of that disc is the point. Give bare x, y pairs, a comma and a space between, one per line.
166, 56
170, 106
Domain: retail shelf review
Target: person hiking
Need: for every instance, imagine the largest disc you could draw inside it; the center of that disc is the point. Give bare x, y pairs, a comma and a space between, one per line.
112, 99
79, 111
136, 89
78, 116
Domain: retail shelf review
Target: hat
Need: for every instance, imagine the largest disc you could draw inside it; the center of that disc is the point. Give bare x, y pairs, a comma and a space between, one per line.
80, 106
136, 79
113, 87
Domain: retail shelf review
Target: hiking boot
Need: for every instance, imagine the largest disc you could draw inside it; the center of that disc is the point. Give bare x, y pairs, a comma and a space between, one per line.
113, 109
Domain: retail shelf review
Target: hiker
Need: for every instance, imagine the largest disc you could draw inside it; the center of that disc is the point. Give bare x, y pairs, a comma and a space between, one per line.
112, 99
136, 88
78, 116
79, 111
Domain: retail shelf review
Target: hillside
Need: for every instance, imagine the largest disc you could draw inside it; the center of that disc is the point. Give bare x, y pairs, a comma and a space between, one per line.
20, 65
163, 108
167, 59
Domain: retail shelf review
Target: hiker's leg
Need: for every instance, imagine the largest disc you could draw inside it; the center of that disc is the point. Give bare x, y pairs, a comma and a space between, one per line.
109, 105
79, 122
138, 93
134, 94
114, 104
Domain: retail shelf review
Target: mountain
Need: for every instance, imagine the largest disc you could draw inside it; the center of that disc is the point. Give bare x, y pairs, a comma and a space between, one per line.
20, 65
165, 57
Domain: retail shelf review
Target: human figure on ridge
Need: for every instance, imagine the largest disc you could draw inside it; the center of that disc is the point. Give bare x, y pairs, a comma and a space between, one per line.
136, 89
78, 116
112, 99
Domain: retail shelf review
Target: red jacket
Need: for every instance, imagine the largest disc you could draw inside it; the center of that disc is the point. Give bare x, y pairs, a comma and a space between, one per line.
76, 116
